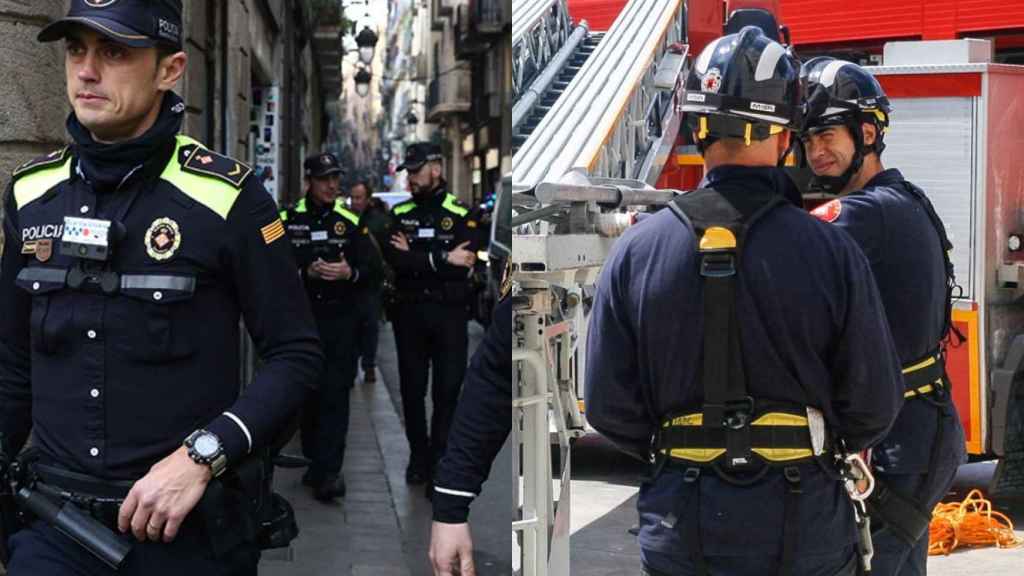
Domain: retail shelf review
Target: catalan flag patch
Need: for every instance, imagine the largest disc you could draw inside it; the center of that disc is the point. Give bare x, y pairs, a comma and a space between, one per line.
272, 231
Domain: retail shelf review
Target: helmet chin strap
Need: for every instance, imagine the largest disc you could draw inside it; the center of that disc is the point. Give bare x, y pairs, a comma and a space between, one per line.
835, 184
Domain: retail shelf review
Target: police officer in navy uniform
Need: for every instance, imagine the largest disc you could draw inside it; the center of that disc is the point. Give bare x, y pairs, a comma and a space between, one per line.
736, 340
432, 251
130, 257
478, 432
904, 240
333, 263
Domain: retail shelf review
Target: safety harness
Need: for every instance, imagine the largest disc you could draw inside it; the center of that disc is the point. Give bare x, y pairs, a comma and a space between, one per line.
924, 379
738, 437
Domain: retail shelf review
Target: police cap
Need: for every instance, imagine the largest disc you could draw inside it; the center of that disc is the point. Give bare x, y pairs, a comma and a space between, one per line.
322, 165
135, 23
419, 154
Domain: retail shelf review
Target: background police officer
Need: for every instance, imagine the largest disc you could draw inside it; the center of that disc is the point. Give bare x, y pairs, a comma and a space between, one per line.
810, 333
334, 264
432, 251
377, 223
905, 242
124, 361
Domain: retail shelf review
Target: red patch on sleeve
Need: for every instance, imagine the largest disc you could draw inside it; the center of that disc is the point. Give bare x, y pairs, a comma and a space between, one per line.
829, 211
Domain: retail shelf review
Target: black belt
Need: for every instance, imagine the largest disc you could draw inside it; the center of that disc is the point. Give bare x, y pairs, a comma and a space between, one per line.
100, 498
925, 376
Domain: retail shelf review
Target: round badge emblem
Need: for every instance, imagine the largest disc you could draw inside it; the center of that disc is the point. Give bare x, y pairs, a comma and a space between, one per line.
829, 211
99, 3
163, 239
447, 224
712, 81
340, 229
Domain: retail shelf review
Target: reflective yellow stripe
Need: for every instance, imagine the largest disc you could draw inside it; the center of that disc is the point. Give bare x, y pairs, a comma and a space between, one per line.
31, 187
746, 133
284, 215
451, 206
215, 194
717, 238
300, 208
404, 208
922, 390
920, 365
340, 208
782, 454
697, 454
703, 133
780, 419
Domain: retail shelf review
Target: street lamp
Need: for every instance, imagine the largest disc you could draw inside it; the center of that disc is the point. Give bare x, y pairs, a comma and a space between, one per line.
366, 40
363, 79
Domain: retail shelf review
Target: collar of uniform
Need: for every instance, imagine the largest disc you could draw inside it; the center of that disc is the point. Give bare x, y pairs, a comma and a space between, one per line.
751, 179
888, 177
315, 207
436, 197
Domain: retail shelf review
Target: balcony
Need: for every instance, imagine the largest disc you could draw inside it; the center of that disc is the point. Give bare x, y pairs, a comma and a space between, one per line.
449, 95
491, 17
468, 42
440, 11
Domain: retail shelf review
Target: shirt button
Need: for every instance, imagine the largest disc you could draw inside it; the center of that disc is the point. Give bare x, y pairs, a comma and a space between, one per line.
94, 452
35, 285
91, 334
84, 209
158, 295
95, 393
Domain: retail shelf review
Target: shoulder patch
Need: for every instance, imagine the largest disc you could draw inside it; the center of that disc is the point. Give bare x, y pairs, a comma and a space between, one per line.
208, 163
52, 159
829, 211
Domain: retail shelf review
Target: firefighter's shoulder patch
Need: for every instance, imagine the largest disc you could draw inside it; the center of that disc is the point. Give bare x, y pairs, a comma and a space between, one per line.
829, 211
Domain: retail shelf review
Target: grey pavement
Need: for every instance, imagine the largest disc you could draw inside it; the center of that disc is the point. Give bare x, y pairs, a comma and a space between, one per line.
382, 527
604, 488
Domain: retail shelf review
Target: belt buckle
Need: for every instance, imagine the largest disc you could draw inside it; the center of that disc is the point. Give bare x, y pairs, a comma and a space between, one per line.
737, 413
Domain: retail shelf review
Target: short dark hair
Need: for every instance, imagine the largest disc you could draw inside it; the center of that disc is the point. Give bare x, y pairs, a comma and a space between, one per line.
163, 50
365, 183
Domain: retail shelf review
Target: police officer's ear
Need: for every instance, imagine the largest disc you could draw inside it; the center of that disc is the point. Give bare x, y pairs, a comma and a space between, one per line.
170, 67
782, 142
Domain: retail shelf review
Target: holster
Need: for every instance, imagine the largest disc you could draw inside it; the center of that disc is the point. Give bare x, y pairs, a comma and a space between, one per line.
263, 518
907, 519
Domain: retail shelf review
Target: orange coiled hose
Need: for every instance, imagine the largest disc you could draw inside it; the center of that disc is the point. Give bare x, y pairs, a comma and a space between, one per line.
970, 523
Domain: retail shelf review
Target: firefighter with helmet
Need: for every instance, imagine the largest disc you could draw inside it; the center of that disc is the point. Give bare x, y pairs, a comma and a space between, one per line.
739, 344
905, 242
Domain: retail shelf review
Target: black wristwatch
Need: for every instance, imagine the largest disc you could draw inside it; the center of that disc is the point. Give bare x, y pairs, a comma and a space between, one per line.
204, 448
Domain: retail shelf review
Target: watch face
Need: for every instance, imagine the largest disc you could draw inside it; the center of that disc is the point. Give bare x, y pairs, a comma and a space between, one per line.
206, 446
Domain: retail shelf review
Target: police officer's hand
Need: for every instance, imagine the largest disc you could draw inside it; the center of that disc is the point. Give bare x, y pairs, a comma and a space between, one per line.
159, 502
335, 271
400, 241
313, 270
461, 256
451, 549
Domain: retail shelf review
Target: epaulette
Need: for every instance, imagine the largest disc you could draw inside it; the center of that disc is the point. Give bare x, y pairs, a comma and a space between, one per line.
403, 207
52, 159
208, 163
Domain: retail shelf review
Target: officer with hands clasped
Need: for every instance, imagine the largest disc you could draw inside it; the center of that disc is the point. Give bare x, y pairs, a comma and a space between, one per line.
130, 257
751, 407
334, 263
905, 242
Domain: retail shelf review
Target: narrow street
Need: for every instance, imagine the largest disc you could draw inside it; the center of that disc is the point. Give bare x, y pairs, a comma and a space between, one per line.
382, 526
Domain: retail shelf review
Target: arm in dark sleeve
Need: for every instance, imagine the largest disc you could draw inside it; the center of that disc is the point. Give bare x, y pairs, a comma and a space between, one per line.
15, 357
614, 401
366, 268
863, 218
483, 420
868, 392
405, 262
464, 232
277, 315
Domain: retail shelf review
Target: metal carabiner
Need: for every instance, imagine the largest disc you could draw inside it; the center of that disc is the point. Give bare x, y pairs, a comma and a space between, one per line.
856, 470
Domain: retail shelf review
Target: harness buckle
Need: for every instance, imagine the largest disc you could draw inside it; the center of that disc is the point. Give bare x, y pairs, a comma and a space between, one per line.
691, 475
737, 413
718, 265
